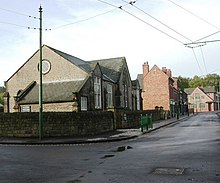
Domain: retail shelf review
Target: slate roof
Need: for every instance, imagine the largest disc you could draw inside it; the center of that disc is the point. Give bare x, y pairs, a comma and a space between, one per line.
54, 92
188, 91
74, 60
140, 79
209, 89
63, 91
111, 67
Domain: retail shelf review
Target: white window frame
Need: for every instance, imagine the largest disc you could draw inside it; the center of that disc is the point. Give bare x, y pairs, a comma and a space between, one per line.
84, 103
97, 92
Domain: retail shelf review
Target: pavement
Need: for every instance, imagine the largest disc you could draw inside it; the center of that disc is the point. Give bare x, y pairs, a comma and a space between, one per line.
118, 135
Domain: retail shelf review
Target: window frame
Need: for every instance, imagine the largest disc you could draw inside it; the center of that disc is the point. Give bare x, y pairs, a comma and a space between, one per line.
84, 103
97, 93
109, 89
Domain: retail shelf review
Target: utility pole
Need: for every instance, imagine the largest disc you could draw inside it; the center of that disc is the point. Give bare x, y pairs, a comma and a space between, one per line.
40, 80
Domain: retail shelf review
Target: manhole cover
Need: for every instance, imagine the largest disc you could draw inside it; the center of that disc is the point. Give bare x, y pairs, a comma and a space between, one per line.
169, 171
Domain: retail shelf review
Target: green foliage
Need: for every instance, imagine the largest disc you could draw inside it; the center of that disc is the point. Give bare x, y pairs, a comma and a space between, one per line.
1, 98
183, 82
197, 81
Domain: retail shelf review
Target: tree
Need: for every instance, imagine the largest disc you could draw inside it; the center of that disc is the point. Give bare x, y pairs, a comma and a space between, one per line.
196, 81
212, 80
183, 82
1, 98
2, 90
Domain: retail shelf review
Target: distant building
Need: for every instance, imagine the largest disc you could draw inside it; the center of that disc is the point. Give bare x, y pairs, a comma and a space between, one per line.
71, 84
202, 99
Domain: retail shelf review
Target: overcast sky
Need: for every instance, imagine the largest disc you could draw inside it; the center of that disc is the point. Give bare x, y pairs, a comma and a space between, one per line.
130, 32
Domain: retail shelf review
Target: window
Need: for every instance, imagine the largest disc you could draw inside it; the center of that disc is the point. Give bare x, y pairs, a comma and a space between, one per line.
126, 95
97, 92
202, 105
109, 96
138, 99
197, 96
25, 108
83, 103
194, 106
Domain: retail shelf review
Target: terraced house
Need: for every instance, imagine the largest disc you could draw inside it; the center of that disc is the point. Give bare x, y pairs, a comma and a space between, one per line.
160, 90
71, 84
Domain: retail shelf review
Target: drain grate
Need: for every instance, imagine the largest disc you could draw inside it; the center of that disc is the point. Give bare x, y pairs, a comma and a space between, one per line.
168, 171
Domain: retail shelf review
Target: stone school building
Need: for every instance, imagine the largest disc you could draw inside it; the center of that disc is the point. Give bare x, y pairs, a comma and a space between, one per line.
71, 84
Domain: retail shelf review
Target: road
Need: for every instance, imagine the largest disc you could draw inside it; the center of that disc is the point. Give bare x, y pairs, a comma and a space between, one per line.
187, 151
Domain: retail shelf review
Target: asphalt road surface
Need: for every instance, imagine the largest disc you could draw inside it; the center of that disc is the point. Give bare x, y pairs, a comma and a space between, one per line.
187, 151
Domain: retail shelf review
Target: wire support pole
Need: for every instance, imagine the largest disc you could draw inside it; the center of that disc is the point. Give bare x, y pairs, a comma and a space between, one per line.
40, 79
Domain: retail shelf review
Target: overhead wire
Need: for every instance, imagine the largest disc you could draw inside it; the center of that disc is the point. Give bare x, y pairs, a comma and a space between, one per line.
83, 20
167, 26
207, 36
203, 58
18, 13
17, 25
195, 15
120, 7
197, 61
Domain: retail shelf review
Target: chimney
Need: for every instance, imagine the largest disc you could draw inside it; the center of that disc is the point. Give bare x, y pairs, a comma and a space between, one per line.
169, 73
145, 69
164, 69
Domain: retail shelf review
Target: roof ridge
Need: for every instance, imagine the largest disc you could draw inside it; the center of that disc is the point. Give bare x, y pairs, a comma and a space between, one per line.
96, 60
62, 52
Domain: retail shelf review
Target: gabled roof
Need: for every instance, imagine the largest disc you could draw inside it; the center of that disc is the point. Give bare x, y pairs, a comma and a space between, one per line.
111, 67
135, 83
23, 93
74, 60
54, 92
188, 91
161, 71
208, 89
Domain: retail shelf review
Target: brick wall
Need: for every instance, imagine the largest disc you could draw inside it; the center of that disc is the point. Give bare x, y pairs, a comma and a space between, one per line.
56, 124
155, 90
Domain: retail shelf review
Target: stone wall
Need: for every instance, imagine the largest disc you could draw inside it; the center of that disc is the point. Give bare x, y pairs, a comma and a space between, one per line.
66, 124
131, 119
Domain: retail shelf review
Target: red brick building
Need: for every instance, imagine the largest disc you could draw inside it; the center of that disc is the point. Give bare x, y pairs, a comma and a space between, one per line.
159, 89
202, 99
